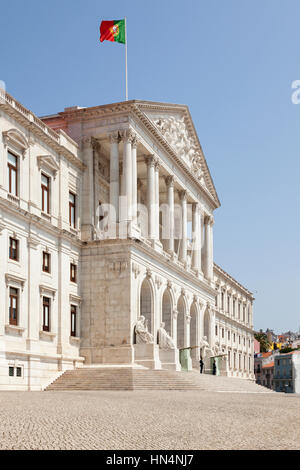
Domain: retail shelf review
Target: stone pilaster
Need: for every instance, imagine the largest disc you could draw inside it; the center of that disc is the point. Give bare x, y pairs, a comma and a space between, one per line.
170, 189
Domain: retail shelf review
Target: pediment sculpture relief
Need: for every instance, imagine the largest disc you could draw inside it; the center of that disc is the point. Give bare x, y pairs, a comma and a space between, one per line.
176, 134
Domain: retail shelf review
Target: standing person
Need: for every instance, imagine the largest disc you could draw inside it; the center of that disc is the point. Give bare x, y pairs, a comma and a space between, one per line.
201, 365
214, 368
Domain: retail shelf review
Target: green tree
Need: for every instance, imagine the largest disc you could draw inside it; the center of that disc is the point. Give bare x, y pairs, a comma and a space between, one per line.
265, 345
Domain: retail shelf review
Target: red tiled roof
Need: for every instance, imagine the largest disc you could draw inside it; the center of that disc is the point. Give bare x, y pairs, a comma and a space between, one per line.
267, 354
266, 366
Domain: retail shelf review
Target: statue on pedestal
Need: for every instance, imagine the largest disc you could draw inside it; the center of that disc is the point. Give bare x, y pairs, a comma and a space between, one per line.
164, 339
142, 333
204, 347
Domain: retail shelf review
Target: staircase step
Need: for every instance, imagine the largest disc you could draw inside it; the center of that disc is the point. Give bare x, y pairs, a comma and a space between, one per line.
145, 379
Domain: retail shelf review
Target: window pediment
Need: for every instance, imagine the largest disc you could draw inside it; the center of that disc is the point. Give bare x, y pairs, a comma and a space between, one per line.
47, 290
47, 161
15, 138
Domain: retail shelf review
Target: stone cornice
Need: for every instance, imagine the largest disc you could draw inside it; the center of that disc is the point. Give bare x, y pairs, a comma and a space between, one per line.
220, 272
233, 321
48, 136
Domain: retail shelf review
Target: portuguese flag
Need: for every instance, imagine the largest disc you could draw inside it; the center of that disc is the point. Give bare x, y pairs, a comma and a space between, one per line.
113, 31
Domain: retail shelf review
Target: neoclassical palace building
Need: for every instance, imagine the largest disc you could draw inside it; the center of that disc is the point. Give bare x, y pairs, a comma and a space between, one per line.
106, 218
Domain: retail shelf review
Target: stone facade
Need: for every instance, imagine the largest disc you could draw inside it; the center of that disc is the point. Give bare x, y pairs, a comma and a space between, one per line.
130, 212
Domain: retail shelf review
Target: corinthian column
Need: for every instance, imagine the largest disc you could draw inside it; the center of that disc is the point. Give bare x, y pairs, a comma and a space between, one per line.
127, 137
150, 161
196, 230
114, 189
183, 245
156, 168
208, 247
170, 188
134, 179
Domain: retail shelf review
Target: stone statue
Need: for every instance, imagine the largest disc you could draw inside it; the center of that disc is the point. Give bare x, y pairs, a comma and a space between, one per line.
164, 339
142, 333
204, 347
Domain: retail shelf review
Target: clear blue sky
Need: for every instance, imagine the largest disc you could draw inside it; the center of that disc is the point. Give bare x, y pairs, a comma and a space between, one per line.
232, 62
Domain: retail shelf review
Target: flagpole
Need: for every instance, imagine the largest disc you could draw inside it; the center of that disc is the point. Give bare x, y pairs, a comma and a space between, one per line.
126, 81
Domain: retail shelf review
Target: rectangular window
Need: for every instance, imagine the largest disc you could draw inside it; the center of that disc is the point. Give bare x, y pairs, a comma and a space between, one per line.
46, 262
216, 328
45, 187
222, 332
46, 314
13, 249
12, 168
228, 335
233, 307
222, 301
73, 319
11, 371
19, 371
13, 306
228, 304
72, 209
73, 272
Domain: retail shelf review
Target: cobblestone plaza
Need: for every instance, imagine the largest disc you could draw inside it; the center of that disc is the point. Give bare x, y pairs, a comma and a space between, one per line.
149, 420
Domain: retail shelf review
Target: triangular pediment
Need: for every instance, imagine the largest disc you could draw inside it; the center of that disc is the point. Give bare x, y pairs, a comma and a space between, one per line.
174, 125
49, 162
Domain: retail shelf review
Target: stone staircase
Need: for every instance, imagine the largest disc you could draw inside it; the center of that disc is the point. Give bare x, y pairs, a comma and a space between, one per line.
128, 378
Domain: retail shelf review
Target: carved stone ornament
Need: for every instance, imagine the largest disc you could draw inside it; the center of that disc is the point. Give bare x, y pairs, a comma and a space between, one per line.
136, 270
148, 273
175, 314
176, 134
158, 282
127, 135
118, 266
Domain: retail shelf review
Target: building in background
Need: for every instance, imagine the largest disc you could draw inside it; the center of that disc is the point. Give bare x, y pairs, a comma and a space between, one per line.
287, 372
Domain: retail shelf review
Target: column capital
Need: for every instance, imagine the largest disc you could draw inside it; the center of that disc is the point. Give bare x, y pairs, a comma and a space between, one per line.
151, 160
183, 194
196, 206
127, 135
208, 219
134, 141
114, 137
169, 180
95, 144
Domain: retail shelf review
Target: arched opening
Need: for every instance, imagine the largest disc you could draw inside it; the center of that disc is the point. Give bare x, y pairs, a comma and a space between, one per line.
167, 312
180, 323
146, 304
